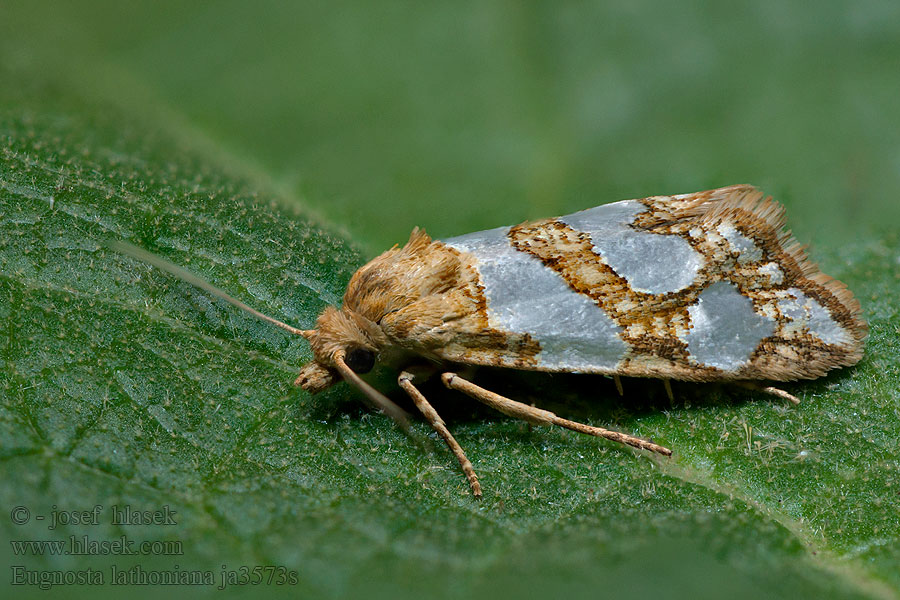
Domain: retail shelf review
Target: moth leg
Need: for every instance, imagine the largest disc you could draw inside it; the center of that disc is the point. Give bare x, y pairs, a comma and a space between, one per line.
668, 385
539, 416
405, 380
619, 388
770, 390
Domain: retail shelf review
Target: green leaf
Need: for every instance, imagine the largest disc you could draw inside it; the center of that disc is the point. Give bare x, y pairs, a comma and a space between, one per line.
123, 386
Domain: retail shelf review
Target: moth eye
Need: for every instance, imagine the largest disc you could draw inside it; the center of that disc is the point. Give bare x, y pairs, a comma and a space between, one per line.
360, 360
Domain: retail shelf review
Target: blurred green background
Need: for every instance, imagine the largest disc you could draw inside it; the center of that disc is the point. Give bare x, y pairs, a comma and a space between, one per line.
390, 114
276, 146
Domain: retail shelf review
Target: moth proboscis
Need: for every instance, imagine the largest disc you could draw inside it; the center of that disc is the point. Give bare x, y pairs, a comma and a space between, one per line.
696, 287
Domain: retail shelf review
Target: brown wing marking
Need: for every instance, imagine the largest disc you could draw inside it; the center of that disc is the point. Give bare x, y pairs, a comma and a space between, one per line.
762, 220
654, 346
654, 325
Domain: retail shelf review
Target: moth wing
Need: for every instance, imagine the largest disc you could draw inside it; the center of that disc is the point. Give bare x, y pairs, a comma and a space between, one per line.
705, 286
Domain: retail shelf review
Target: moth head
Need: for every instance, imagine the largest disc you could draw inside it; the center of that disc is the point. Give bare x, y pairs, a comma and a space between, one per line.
339, 336
345, 345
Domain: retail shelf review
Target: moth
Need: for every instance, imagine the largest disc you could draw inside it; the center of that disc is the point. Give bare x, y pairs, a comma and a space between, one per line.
703, 287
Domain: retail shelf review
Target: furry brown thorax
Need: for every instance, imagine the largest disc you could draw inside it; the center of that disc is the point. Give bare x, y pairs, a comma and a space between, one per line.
376, 302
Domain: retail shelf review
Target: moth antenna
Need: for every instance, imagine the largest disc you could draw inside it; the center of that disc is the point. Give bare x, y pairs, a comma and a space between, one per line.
377, 399
186, 276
